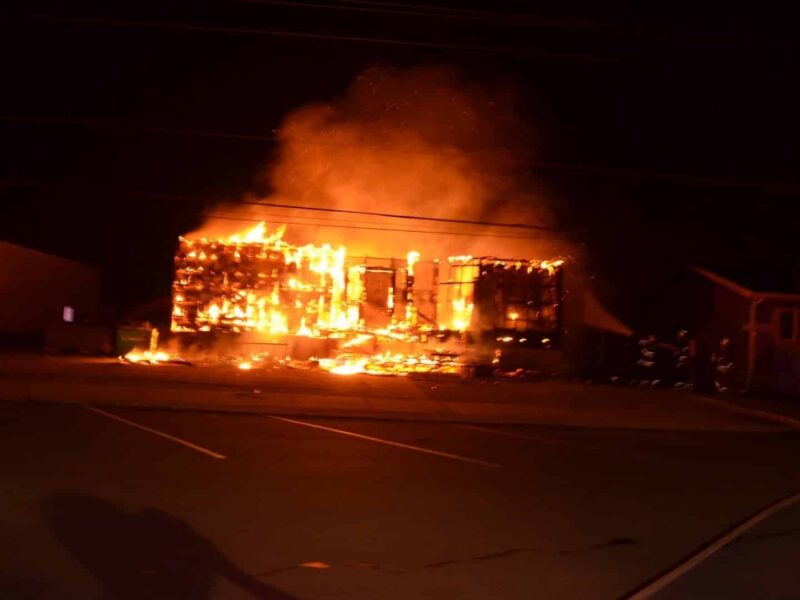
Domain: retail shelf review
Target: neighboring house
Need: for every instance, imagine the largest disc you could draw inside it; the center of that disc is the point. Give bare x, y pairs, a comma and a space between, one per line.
762, 323
39, 291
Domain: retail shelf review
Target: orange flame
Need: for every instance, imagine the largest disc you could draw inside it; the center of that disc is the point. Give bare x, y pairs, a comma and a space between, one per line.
256, 281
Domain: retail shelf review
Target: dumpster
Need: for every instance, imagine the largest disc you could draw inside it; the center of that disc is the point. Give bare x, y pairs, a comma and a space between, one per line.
129, 338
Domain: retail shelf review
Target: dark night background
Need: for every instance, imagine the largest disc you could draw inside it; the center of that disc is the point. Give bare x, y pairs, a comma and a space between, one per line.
661, 138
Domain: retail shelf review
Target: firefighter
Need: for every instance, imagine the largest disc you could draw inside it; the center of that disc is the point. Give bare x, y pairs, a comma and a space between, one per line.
681, 353
723, 366
647, 360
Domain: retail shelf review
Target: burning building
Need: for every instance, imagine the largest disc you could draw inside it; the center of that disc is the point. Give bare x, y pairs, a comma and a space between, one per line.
258, 282
396, 309
378, 310
488, 295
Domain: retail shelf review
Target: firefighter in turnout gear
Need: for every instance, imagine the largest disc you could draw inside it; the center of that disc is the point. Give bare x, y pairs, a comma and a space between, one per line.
723, 366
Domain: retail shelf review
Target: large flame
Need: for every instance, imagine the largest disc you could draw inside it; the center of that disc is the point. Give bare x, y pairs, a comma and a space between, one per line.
137, 356
290, 285
255, 281
257, 235
407, 142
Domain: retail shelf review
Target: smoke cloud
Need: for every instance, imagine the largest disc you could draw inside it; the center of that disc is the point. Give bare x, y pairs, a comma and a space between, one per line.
418, 141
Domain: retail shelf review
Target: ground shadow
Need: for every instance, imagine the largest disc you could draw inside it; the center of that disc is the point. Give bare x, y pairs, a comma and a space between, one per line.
147, 554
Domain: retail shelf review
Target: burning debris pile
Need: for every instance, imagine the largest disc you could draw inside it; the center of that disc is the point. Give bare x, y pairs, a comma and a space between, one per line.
359, 314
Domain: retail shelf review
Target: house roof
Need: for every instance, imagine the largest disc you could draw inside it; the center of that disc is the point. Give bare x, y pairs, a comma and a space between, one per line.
7, 248
749, 278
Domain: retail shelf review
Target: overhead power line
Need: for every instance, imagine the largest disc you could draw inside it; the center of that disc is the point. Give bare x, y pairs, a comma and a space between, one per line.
782, 187
404, 10
399, 216
198, 28
557, 22
279, 221
436, 12
192, 198
319, 220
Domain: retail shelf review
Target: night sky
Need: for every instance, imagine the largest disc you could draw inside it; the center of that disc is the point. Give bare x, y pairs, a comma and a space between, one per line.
659, 139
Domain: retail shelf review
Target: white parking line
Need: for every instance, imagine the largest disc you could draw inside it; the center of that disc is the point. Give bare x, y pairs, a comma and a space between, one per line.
514, 434
172, 438
715, 546
369, 438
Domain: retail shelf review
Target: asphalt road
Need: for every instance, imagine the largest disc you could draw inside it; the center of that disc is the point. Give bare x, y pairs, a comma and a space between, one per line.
312, 392
242, 506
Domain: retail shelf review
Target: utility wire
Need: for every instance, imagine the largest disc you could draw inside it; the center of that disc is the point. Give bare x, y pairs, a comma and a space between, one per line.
317, 220
197, 28
427, 11
398, 216
785, 187
214, 216
164, 196
556, 22
399, 11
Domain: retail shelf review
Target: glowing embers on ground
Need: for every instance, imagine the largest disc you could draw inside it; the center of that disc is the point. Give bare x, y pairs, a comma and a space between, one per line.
391, 364
345, 363
147, 357
150, 356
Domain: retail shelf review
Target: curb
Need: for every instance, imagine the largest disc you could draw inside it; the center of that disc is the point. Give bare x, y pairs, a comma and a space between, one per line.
755, 413
355, 414
244, 409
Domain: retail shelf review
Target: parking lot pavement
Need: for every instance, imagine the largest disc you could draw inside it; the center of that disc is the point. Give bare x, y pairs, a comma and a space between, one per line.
312, 392
760, 563
98, 503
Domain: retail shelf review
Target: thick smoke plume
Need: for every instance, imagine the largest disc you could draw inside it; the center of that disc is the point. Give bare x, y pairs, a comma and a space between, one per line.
416, 141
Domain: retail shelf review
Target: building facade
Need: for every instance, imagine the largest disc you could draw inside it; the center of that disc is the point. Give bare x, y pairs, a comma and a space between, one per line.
762, 328
39, 291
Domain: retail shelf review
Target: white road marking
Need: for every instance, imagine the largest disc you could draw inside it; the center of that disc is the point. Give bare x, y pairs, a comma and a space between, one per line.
476, 461
514, 434
172, 438
715, 546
